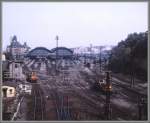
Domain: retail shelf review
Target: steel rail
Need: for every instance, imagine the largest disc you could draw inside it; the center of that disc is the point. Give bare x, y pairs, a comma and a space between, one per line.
38, 105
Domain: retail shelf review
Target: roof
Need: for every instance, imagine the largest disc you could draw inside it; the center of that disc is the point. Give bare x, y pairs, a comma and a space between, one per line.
62, 48
39, 51
16, 61
25, 45
42, 51
40, 48
15, 43
9, 83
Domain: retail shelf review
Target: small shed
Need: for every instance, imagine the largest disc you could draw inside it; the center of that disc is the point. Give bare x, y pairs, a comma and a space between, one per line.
8, 91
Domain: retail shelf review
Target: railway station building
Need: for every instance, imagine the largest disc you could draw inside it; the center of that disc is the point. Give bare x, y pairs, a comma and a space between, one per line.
42, 52
39, 52
62, 52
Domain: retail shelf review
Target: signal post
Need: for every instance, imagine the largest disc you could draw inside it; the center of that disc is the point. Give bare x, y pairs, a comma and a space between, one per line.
108, 90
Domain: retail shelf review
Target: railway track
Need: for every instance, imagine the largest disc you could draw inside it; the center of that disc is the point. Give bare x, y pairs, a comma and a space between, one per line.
127, 88
60, 102
83, 94
127, 93
116, 109
38, 109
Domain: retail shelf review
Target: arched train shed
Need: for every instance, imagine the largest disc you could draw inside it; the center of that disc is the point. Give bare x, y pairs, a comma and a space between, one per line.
39, 52
59, 52
62, 52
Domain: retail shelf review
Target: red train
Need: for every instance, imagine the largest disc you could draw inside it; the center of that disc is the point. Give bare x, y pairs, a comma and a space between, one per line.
32, 77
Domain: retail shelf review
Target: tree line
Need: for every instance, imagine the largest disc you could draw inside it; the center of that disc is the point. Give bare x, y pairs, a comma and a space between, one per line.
130, 56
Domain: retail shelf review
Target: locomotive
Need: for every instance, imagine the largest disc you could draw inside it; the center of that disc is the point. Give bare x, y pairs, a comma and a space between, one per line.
105, 87
32, 77
102, 86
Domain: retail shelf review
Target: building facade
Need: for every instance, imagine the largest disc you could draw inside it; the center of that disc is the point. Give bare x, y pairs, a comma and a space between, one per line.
15, 70
17, 50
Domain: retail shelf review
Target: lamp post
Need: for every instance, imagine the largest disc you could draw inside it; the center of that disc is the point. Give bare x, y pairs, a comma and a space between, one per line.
57, 38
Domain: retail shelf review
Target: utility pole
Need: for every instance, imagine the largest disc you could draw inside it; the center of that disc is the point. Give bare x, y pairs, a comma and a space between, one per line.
142, 108
107, 101
132, 67
12, 70
100, 60
57, 38
84, 59
90, 53
139, 109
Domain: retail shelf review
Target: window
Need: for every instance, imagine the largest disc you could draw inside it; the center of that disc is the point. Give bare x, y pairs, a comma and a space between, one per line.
16, 65
10, 91
5, 92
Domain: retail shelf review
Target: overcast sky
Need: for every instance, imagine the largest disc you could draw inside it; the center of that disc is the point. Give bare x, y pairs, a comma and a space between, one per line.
76, 23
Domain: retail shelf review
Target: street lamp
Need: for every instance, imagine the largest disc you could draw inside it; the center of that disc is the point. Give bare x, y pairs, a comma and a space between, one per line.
57, 38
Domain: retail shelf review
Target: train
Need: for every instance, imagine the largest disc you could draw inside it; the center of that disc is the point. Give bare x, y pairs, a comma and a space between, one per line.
32, 77
102, 86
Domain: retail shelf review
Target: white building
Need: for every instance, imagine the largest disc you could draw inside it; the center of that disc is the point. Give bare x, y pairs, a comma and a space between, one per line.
8, 91
91, 49
15, 70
